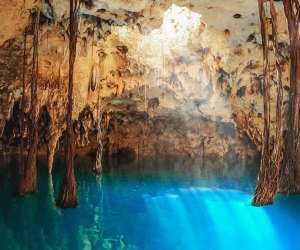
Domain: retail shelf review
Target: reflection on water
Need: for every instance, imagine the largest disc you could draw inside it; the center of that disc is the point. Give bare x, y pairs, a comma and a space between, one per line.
149, 205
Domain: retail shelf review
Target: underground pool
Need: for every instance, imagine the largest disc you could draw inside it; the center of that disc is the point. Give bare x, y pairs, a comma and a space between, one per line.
152, 205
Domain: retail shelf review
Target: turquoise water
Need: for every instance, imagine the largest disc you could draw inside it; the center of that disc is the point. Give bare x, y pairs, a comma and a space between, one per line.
181, 205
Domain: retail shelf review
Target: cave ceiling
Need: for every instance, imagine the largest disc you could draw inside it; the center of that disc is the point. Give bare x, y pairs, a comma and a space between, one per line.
184, 58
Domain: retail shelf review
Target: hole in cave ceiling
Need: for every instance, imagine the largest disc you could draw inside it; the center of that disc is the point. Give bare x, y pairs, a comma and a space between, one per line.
180, 32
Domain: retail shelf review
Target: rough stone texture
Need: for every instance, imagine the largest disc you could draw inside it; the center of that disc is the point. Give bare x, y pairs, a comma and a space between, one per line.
188, 69
132, 133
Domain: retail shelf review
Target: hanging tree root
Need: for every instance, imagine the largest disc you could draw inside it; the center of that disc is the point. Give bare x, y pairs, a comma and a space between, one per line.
27, 181
290, 174
267, 185
21, 166
68, 192
98, 165
266, 190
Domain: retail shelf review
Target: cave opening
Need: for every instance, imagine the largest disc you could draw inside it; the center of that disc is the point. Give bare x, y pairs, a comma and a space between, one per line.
152, 120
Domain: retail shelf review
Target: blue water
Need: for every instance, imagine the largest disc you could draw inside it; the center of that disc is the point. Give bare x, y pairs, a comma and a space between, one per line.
182, 205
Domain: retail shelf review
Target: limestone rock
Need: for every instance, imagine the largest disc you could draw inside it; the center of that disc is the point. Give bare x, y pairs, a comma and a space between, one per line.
188, 66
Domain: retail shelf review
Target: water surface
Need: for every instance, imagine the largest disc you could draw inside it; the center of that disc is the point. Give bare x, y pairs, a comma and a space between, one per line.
182, 205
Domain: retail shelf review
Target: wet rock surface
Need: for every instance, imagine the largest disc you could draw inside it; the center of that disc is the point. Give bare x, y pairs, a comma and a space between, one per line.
188, 85
163, 136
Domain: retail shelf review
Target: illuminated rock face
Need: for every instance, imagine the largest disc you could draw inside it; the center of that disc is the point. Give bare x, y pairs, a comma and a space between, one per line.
188, 71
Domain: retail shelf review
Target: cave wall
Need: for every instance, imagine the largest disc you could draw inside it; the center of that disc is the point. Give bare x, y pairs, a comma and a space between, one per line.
170, 77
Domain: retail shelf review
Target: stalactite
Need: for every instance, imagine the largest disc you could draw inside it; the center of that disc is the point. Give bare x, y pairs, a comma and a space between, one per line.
51, 147
68, 191
27, 181
145, 84
290, 174
93, 74
163, 62
267, 186
56, 124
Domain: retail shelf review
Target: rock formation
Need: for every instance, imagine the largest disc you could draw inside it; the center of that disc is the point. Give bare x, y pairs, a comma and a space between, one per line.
178, 77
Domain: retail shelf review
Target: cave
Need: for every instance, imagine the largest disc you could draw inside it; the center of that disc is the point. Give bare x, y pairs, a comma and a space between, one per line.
151, 124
